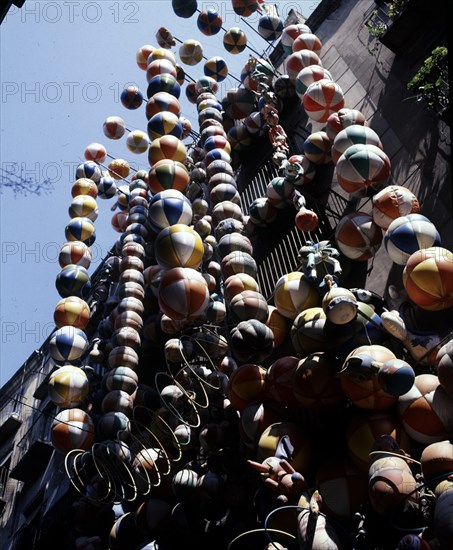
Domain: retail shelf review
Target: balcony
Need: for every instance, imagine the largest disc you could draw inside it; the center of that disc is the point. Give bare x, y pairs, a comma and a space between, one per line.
9, 426
33, 461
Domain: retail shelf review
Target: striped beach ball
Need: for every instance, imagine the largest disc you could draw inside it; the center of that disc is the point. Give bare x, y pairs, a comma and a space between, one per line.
164, 123
137, 142
321, 99
72, 429
191, 52
408, 234
160, 66
245, 8
361, 167
167, 147
357, 236
290, 33
162, 101
143, 54
391, 203
72, 311
81, 229
67, 344
114, 127
216, 68
353, 135
428, 278
293, 294
169, 207
307, 41
235, 40
90, 170
270, 27
183, 294
307, 76
75, 252
168, 174
178, 246
299, 60
131, 98
107, 188
95, 152
209, 22
68, 386
317, 148
163, 83
84, 206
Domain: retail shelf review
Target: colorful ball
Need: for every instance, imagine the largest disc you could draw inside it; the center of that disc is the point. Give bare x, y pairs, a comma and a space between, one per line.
284, 87
317, 148
307, 331
342, 119
357, 236
306, 220
143, 54
235, 40
248, 304
72, 429
160, 102
68, 386
216, 68
90, 170
362, 166
408, 234
428, 278
107, 188
167, 147
293, 294
84, 206
160, 66
167, 208
84, 186
168, 174
183, 294
114, 127
307, 76
131, 98
238, 262
72, 280
396, 377
353, 135
67, 344
299, 60
96, 152
72, 311
321, 99
393, 202
251, 341
246, 385
137, 142
191, 52
119, 169
245, 8
178, 246
184, 8
290, 33
81, 229
75, 252
163, 83
270, 27
164, 123
239, 138
307, 41
209, 22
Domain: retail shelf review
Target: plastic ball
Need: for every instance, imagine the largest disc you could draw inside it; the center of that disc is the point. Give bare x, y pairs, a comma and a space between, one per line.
137, 142
307, 331
356, 134
72, 311
143, 54
428, 278
290, 33
362, 166
393, 202
160, 66
68, 386
307, 41
167, 147
114, 127
248, 304
293, 294
84, 186
306, 220
238, 262
191, 52
119, 169
235, 40
238, 283
284, 87
251, 341
67, 344
178, 246
72, 429
184, 8
164, 123
90, 170
75, 252
209, 22
342, 119
183, 294
131, 98
307, 76
396, 377
357, 236
299, 60
321, 99
84, 206
168, 174
95, 152
270, 27
163, 83
216, 67
107, 188
72, 280
167, 208
317, 148
408, 234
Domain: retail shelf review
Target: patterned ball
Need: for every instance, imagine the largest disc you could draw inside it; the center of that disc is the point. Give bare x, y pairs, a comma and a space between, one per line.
362, 166
160, 54
216, 68
428, 278
167, 147
68, 386
357, 236
307, 41
342, 119
307, 76
251, 341
270, 27
298, 61
396, 377
408, 234
137, 142
164, 123
209, 22
119, 169
84, 186
106, 188
75, 252
160, 66
293, 294
290, 33
72, 311
183, 294
84, 206
239, 138
262, 212
178, 246
191, 52
114, 127
72, 281
143, 54
167, 208
248, 304
224, 210
90, 170
72, 429
168, 174
123, 356
67, 344
113, 425
321, 99
238, 262
131, 98
95, 152
317, 148
235, 40
353, 135
391, 203
184, 8
160, 102
163, 83
237, 283
307, 331
245, 8
284, 87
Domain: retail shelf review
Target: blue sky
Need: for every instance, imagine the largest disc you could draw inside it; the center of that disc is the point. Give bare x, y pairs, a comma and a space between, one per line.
63, 67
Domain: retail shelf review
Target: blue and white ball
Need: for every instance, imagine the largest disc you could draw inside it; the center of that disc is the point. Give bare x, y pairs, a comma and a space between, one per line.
407, 234
106, 187
90, 170
167, 208
67, 345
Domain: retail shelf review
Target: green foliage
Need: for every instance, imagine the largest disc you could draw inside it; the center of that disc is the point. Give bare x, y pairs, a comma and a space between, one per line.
430, 83
395, 7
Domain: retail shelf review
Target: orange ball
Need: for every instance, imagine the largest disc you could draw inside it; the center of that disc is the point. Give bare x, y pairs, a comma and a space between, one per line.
247, 384
72, 311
